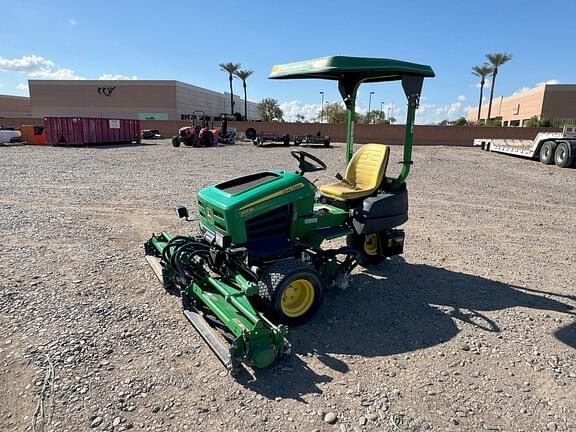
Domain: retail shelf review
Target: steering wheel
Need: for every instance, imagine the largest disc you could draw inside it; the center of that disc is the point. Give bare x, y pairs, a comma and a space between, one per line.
307, 166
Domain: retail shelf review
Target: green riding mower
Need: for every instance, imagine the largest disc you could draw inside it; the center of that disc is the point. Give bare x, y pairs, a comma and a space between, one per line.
257, 264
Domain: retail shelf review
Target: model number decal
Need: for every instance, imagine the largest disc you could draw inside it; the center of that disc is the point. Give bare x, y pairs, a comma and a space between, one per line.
247, 208
310, 221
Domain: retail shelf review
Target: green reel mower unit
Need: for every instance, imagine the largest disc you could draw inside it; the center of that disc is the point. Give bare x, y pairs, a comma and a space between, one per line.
257, 264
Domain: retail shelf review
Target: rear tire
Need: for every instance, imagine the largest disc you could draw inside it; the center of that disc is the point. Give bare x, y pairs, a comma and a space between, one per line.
562, 156
367, 246
176, 141
547, 152
208, 139
291, 291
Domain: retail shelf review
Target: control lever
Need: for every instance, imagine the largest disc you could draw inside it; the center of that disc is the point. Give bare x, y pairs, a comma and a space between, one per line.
342, 179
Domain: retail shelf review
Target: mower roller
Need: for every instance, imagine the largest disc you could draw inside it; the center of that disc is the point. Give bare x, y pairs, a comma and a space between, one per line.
256, 265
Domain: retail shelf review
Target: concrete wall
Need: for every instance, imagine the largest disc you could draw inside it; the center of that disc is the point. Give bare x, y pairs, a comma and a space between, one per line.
15, 106
363, 133
392, 135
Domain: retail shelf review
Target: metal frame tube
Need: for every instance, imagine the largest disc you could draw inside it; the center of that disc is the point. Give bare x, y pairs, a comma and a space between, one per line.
408, 139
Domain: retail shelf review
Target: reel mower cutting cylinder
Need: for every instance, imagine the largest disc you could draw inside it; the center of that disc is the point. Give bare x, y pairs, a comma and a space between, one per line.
181, 263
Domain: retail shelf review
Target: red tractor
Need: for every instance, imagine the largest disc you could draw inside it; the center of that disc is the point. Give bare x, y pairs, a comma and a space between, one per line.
198, 134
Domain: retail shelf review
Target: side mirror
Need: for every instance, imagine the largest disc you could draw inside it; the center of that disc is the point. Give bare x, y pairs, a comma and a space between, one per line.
182, 212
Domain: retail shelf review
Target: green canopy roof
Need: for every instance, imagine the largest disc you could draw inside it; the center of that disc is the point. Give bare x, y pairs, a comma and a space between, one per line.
367, 69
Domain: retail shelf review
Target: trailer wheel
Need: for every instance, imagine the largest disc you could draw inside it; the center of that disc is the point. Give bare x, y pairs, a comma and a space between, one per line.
327, 142
176, 141
286, 140
562, 156
367, 246
291, 291
547, 152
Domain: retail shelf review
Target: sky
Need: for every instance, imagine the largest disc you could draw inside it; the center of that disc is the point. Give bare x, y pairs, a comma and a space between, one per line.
184, 40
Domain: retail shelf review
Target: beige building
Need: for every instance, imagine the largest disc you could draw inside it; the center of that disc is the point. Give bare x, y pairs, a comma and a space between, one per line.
15, 106
136, 99
554, 101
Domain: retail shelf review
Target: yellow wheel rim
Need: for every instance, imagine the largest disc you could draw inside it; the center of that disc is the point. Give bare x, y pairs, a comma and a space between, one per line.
371, 244
297, 298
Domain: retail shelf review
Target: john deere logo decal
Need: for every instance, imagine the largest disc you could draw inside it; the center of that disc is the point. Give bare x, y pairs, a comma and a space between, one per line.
106, 91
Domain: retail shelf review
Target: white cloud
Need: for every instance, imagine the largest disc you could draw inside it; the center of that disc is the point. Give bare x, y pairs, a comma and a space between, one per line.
114, 77
37, 67
72, 22
293, 108
433, 114
550, 82
28, 64
487, 83
22, 86
57, 74
540, 84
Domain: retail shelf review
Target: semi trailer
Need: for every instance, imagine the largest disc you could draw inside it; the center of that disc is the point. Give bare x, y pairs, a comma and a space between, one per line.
548, 147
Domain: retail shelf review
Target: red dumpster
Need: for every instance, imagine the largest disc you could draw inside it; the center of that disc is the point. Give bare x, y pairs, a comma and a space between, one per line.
86, 130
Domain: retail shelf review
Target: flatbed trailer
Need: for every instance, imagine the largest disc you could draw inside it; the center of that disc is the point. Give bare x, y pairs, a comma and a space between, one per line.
548, 147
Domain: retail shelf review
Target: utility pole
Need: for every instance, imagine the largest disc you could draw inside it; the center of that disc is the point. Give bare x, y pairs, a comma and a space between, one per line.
369, 103
322, 108
381, 111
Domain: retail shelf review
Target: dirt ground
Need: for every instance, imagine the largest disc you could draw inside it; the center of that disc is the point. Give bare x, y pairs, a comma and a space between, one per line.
472, 329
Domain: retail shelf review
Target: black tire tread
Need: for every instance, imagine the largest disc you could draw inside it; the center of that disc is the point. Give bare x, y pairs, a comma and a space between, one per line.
355, 241
552, 146
271, 280
566, 163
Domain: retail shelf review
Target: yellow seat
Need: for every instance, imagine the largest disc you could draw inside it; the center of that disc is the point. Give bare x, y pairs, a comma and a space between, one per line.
364, 174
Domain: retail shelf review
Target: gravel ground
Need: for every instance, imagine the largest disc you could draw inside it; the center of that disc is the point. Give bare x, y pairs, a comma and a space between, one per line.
472, 329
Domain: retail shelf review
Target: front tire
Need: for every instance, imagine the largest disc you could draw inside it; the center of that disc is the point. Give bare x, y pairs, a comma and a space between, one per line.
176, 141
291, 291
367, 246
547, 152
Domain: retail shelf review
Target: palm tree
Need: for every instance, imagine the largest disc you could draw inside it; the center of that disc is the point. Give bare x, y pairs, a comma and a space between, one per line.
482, 72
496, 60
231, 68
243, 75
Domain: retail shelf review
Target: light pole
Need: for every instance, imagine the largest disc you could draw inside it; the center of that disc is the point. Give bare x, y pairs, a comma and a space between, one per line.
381, 112
322, 108
369, 103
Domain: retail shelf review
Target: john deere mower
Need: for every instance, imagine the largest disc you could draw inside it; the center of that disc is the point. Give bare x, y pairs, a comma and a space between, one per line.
257, 264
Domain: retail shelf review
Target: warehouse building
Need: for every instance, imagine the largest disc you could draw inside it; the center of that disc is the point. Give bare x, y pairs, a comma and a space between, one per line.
15, 106
137, 99
556, 102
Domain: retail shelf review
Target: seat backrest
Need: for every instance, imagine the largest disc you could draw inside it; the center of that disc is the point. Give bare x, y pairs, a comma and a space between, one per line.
367, 167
